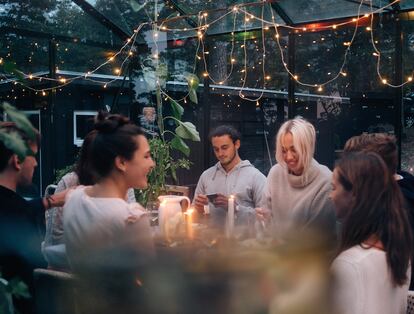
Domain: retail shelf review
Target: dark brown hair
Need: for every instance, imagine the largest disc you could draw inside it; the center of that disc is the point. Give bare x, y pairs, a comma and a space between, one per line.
83, 168
383, 144
115, 136
377, 210
225, 130
6, 153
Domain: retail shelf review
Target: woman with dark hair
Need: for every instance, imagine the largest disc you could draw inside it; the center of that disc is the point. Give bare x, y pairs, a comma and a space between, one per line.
371, 271
82, 174
102, 230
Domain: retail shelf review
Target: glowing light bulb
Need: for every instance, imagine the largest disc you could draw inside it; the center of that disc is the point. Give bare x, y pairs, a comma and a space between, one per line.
334, 26
384, 81
205, 74
410, 78
63, 80
320, 89
368, 28
343, 73
295, 77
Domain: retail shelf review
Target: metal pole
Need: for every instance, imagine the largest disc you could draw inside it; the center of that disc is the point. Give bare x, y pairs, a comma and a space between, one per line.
291, 83
398, 72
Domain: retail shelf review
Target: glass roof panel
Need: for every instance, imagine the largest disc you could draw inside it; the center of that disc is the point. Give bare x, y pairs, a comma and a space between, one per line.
60, 17
303, 11
407, 4
129, 14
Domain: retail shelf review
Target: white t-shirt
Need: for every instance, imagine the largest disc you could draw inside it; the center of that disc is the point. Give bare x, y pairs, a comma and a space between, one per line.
363, 284
105, 232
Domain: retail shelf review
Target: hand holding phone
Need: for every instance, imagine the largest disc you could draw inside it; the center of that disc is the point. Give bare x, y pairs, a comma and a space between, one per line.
212, 197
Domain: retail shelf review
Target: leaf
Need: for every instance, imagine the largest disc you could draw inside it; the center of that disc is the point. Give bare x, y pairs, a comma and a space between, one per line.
180, 145
22, 122
193, 96
192, 81
10, 68
15, 143
187, 130
19, 289
177, 109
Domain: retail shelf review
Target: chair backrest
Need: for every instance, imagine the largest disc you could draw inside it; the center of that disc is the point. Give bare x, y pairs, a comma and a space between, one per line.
410, 302
178, 190
54, 292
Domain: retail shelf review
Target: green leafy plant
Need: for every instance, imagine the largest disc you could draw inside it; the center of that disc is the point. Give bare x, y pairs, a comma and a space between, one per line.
8, 289
163, 145
13, 140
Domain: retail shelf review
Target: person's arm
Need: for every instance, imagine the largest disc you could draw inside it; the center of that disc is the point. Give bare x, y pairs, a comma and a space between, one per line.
258, 185
322, 216
348, 292
200, 199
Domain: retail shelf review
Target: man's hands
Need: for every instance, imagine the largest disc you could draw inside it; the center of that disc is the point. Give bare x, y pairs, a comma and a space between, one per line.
200, 201
220, 200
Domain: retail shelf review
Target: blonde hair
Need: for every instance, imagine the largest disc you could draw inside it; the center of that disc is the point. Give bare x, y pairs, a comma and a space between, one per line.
304, 138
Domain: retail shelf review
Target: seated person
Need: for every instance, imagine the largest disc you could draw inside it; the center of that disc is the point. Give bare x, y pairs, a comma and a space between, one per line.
372, 269
21, 221
385, 146
230, 176
102, 230
54, 249
296, 196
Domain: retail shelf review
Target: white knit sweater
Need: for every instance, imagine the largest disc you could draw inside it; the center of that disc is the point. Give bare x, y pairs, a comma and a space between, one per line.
299, 202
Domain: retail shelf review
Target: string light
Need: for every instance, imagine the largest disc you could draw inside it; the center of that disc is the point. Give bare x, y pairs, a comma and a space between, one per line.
235, 10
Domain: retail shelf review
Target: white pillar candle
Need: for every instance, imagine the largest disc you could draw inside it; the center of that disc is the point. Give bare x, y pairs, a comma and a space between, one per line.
230, 216
207, 209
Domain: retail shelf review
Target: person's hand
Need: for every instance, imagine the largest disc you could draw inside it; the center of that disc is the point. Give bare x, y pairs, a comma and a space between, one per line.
263, 214
200, 201
221, 201
56, 200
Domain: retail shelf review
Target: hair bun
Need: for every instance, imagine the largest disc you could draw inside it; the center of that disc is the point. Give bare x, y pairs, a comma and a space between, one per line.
108, 123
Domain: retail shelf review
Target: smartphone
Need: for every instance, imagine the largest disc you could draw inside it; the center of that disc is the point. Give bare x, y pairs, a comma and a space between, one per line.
212, 197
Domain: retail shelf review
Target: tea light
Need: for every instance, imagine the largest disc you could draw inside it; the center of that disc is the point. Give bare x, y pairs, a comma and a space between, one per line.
230, 216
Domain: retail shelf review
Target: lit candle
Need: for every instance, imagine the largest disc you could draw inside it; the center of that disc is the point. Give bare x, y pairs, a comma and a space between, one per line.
190, 231
230, 216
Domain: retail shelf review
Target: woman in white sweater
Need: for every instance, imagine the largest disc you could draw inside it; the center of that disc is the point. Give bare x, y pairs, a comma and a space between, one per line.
102, 230
296, 195
371, 273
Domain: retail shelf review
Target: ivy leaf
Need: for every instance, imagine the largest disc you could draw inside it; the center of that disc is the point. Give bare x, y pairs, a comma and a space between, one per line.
180, 145
193, 96
177, 109
187, 130
15, 143
22, 122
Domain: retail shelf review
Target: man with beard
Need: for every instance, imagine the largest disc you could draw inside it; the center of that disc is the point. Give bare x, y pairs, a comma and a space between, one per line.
21, 221
229, 176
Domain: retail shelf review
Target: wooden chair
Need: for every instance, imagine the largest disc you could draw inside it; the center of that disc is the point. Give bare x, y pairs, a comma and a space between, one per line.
54, 292
178, 190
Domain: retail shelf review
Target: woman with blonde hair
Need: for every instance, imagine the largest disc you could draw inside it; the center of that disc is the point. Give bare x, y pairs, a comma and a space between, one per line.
371, 271
296, 196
